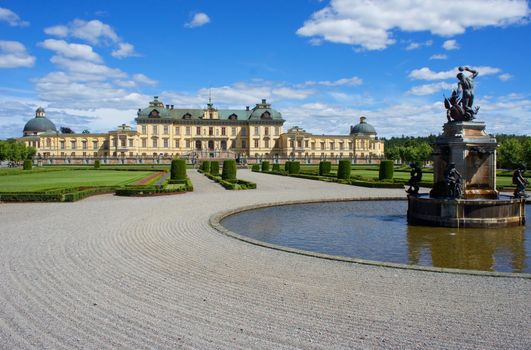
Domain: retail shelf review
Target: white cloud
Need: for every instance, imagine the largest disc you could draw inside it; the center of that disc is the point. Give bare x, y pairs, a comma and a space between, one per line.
199, 19
77, 51
11, 18
142, 79
315, 41
426, 73
340, 82
87, 68
13, 54
438, 57
450, 45
428, 89
369, 24
96, 33
505, 77
124, 50
415, 45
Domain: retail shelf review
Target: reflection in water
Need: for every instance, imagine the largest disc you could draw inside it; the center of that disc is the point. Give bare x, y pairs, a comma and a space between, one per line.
377, 230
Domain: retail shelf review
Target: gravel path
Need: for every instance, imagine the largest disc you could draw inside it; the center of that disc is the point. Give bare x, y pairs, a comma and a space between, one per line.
150, 273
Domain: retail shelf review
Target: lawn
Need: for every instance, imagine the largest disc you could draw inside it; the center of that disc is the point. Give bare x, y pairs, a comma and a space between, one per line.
39, 181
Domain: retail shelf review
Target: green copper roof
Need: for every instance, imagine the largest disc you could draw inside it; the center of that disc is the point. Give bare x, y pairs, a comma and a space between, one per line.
39, 124
362, 128
157, 109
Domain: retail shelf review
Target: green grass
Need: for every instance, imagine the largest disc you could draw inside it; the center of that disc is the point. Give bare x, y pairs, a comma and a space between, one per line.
39, 181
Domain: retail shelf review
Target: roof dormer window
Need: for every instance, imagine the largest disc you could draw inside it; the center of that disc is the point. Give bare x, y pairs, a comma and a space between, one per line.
154, 114
187, 116
265, 115
233, 116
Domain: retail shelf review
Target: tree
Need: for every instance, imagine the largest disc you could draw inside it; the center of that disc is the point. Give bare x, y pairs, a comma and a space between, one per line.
66, 130
86, 131
510, 153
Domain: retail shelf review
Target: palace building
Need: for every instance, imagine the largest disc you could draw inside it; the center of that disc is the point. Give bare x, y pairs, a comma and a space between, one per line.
164, 132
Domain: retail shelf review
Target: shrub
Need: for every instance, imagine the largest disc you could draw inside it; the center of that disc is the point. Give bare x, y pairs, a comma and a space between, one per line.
229, 170
97, 164
178, 169
276, 167
255, 167
205, 166
214, 167
324, 168
28, 164
386, 170
294, 168
343, 170
287, 165
265, 166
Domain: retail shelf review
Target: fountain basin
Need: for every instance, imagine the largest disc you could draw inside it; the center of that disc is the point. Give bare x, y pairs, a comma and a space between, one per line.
487, 213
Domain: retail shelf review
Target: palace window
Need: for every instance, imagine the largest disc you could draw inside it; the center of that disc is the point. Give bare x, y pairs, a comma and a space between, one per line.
244, 132
122, 142
341, 146
155, 129
144, 143
322, 145
84, 144
144, 129
187, 116
332, 145
177, 145
198, 130
188, 131
233, 117
176, 130
233, 131
166, 129
256, 131
155, 143
350, 146
266, 131
73, 144
244, 144
306, 143
48, 143
265, 115
266, 143
210, 131
277, 131
94, 144
299, 143
291, 143
187, 143
233, 144
313, 146
130, 142
223, 131
256, 143
223, 145
166, 143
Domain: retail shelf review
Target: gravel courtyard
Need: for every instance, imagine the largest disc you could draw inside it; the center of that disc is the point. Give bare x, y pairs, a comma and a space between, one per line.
150, 273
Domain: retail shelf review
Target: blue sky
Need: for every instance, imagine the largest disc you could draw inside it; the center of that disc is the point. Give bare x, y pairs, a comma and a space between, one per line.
323, 64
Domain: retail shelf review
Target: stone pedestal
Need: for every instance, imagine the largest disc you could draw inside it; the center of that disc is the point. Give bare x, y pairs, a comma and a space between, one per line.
474, 153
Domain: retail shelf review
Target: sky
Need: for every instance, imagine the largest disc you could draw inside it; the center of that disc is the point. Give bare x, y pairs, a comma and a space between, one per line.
322, 63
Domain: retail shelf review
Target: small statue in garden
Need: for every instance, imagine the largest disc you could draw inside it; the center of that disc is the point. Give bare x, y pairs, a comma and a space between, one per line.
520, 181
454, 181
416, 177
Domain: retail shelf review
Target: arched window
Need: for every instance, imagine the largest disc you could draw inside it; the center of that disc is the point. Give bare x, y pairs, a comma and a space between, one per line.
223, 145
187, 116
154, 114
265, 115
198, 144
233, 116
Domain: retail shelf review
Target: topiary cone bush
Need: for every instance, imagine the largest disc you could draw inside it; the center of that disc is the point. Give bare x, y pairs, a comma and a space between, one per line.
265, 166
205, 166
28, 164
229, 170
178, 169
214, 167
343, 170
386, 170
97, 164
294, 168
324, 168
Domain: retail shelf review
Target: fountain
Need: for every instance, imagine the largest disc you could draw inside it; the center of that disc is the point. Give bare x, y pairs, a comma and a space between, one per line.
464, 190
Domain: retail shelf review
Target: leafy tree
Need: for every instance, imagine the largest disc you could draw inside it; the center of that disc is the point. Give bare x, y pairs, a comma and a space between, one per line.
86, 131
510, 153
66, 130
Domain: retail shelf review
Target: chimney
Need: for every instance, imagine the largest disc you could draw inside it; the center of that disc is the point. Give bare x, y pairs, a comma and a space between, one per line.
263, 101
171, 106
246, 108
167, 106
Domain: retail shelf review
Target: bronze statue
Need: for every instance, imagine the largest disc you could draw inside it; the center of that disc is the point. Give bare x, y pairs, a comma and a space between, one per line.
416, 177
520, 181
454, 182
459, 105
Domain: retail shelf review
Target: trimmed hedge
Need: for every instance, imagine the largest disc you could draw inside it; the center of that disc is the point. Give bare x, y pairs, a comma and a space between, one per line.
28, 164
293, 167
255, 167
234, 184
214, 167
97, 164
325, 167
54, 195
229, 170
343, 170
386, 170
276, 167
205, 166
266, 166
178, 169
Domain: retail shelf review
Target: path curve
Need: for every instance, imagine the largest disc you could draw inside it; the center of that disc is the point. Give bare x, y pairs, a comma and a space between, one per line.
121, 272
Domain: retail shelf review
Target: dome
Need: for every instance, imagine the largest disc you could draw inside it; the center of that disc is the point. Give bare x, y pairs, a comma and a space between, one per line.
363, 128
39, 124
